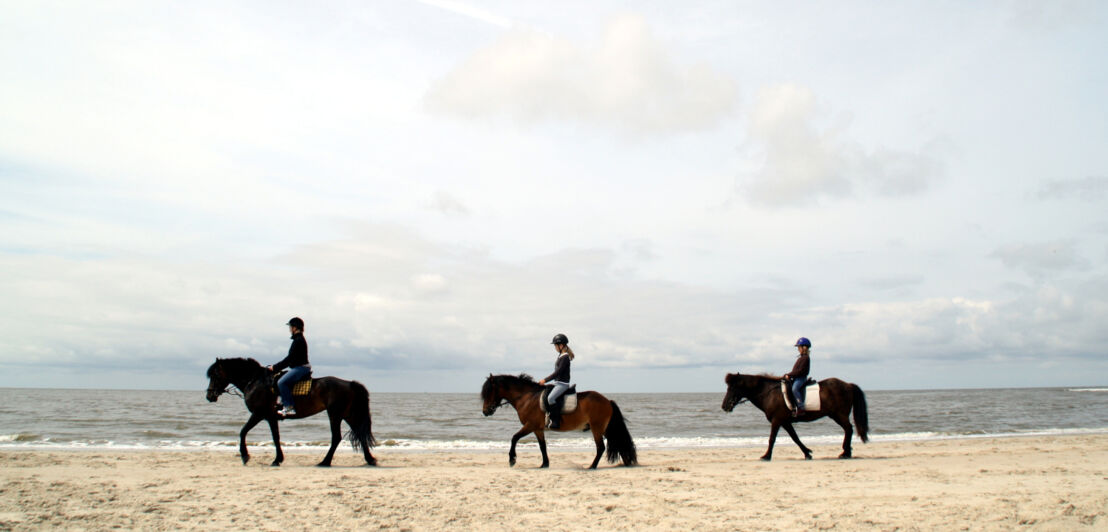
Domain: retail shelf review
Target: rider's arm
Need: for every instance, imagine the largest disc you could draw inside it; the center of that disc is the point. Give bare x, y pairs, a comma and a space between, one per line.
562, 361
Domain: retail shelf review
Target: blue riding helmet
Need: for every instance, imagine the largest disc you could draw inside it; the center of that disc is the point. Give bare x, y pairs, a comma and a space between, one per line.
803, 342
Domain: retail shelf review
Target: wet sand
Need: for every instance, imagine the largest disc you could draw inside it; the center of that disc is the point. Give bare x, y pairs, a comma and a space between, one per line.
1039, 483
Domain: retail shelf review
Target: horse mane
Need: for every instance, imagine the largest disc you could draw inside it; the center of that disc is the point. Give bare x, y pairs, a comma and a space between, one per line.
759, 376
235, 366
493, 381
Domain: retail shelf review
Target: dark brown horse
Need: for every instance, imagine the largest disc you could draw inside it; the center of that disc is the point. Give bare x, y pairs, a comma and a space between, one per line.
594, 411
343, 400
837, 398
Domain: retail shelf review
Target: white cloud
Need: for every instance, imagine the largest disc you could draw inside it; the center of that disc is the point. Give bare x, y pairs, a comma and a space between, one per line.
627, 81
1041, 259
1092, 188
803, 161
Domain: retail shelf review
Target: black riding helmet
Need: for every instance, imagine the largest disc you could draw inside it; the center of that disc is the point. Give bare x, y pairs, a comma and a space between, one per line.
560, 339
296, 322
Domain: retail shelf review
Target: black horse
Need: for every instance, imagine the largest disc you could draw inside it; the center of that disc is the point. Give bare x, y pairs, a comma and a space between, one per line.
837, 398
343, 400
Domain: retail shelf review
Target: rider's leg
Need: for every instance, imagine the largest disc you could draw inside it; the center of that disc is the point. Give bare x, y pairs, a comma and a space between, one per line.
555, 405
284, 385
798, 393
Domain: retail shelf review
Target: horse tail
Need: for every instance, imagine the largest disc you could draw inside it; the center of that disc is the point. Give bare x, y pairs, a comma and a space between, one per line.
861, 416
361, 421
620, 445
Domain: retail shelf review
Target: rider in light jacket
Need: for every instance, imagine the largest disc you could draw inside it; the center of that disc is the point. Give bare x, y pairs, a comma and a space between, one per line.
560, 379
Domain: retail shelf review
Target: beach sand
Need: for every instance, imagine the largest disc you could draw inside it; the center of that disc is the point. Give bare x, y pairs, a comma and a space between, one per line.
1048, 483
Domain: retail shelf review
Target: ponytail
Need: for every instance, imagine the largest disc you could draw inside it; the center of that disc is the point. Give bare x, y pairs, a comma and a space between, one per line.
569, 351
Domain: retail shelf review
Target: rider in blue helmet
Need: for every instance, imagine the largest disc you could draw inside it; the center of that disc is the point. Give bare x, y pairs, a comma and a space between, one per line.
799, 375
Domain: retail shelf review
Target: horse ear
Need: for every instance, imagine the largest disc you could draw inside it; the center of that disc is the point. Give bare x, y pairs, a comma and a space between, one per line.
730, 377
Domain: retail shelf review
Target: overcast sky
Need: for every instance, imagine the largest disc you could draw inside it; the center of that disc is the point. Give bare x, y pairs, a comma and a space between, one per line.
438, 187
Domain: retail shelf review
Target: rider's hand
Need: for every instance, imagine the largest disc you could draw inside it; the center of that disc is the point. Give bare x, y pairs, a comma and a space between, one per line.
270, 368
542, 382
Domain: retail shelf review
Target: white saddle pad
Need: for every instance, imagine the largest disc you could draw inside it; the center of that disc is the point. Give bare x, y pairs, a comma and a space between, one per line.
568, 406
811, 396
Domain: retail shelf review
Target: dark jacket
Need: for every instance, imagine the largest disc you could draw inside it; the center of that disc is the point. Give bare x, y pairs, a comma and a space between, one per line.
800, 369
298, 354
561, 370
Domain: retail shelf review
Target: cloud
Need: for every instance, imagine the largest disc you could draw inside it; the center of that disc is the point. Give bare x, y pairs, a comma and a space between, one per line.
472, 12
386, 299
626, 81
448, 205
1041, 259
803, 162
1092, 188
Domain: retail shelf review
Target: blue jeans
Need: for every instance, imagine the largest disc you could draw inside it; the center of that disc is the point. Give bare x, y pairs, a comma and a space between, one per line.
284, 384
559, 389
798, 391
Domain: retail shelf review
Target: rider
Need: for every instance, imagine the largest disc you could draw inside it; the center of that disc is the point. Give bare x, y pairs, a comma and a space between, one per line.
799, 374
560, 379
297, 362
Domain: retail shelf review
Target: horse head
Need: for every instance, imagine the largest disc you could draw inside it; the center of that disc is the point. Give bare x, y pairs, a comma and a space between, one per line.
490, 396
231, 371
217, 380
736, 391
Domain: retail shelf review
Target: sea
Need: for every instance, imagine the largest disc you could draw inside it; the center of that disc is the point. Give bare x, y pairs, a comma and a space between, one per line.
71, 419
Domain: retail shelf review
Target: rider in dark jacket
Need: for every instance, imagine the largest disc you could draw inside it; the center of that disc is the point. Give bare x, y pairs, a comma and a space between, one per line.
799, 375
560, 379
297, 362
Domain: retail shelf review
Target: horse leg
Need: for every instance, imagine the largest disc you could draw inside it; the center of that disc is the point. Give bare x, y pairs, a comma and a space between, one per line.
512, 452
250, 423
336, 437
276, 442
792, 434
599, 438
848, 431
539, 435
774, 427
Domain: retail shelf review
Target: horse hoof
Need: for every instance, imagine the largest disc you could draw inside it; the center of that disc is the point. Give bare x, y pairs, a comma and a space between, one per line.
765, 458
845, 456
371, 462
275, 464
245, 459
323, 464
808, 456
512, 462
544, 466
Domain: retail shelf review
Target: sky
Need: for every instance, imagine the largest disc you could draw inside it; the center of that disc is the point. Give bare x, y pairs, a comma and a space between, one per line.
437, 187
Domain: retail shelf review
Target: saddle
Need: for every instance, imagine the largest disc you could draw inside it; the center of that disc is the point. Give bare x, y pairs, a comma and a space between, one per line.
299, 388
811, 394
568, 399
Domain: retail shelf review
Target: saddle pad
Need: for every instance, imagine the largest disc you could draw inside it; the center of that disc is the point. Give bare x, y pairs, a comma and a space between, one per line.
811, 396
302, 388
568, 405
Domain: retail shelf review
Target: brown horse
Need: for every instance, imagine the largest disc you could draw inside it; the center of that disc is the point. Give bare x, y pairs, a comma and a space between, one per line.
594, 411
343, 400
837, 398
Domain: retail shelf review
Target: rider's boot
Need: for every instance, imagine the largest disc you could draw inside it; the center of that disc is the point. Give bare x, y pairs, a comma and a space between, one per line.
555, 412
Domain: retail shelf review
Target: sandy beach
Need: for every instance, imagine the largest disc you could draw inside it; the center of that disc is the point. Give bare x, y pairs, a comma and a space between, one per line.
1048, 483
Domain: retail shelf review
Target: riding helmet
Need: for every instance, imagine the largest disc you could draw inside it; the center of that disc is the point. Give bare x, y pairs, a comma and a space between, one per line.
803, 342
560, 339
296, 322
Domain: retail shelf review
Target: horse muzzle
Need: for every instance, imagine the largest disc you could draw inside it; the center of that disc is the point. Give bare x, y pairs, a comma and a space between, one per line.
212, 396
